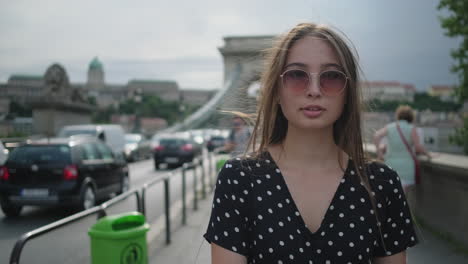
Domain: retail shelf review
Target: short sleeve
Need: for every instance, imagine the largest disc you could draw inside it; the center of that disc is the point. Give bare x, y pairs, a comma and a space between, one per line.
229, 221
397, 227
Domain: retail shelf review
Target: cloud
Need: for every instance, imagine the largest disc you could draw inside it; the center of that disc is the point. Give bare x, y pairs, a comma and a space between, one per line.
195, 72
179, 39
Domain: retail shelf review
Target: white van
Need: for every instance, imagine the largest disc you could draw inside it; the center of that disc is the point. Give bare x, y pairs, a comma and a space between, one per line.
112, 135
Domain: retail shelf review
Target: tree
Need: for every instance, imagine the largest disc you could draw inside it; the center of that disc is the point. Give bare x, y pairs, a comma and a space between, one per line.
460, 137
422, 101
103, 115
148, 106
20, 110
456, 26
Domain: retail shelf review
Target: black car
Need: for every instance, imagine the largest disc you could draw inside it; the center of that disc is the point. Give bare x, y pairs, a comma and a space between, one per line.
76, 171
175, 150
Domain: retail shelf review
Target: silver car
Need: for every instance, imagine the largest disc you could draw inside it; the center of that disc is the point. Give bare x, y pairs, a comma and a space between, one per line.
137, 147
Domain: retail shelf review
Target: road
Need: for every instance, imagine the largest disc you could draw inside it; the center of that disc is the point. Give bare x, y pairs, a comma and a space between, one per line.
70, 244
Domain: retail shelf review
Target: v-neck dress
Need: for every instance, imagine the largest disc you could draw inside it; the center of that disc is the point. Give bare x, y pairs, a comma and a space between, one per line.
254, 214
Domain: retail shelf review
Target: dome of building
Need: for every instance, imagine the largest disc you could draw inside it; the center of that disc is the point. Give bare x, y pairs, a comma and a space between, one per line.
95, 64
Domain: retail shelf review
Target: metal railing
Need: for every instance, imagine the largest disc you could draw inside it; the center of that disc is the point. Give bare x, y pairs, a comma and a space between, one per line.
166, 179
100, 210
141, 203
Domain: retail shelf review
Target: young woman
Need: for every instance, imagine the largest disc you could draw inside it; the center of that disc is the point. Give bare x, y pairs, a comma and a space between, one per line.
397, 155
307, 194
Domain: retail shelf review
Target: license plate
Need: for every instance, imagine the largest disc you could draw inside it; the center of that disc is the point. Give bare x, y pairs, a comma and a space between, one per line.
172, 160
35, 192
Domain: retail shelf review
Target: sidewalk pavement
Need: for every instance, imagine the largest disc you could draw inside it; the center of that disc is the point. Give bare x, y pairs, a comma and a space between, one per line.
189, 247
188, 244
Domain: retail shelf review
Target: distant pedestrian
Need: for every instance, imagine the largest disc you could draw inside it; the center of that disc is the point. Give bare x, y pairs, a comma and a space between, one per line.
306, 193
238, 138
403, 143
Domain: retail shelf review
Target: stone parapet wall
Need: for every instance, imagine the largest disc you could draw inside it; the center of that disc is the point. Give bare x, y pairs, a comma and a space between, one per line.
48, 121
51, 114
441, 200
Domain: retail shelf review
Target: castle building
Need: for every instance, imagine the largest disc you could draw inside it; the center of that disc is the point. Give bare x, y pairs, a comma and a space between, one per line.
27, 88
95, 75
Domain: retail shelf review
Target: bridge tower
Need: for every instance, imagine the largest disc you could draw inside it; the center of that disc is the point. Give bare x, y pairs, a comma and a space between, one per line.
248, 53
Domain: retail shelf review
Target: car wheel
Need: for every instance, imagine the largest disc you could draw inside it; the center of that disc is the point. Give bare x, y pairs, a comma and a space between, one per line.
11, 210
125, 184
88, 198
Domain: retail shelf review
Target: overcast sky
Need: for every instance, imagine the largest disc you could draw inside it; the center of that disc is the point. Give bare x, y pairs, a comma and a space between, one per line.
398, 40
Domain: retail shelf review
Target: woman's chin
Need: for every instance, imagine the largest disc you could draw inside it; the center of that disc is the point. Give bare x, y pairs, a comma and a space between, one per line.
316, 125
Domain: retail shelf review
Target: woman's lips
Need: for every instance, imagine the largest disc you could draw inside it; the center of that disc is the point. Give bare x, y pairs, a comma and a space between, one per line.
312, 111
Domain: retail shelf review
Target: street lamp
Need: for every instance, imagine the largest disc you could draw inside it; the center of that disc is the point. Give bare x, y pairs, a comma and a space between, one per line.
137, 98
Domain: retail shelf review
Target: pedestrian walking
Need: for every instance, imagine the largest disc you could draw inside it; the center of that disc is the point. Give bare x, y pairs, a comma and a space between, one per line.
238, 137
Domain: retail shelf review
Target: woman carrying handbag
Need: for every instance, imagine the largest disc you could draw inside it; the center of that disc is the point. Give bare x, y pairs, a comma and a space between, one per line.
402, 138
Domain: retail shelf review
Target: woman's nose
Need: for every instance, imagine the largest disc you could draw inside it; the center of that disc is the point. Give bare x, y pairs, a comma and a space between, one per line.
313, 87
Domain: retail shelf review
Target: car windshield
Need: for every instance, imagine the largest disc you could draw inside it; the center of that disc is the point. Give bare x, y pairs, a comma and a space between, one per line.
41, 154
172, 141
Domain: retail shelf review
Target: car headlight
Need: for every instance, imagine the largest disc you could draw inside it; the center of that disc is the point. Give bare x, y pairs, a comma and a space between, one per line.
198, 139
130, 148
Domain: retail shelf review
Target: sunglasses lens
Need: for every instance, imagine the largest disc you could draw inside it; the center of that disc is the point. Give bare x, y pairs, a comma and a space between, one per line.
332, 82
296, 80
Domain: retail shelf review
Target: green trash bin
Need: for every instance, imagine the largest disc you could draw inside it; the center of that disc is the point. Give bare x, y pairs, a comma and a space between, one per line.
220, 164
119, 239
221, 160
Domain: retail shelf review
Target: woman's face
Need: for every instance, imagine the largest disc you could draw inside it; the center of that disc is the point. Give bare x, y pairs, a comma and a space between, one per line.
309, 107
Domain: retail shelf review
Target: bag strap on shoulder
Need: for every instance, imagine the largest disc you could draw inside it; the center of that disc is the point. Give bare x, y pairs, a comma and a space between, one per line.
413, 155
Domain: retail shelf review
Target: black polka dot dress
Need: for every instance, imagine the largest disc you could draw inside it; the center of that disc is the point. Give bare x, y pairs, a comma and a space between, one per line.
255, 215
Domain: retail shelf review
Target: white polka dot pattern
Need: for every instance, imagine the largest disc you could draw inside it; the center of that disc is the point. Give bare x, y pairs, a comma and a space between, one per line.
255, 215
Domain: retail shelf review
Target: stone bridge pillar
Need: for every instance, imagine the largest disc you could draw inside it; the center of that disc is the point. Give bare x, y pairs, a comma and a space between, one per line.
59, 104
248, 52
